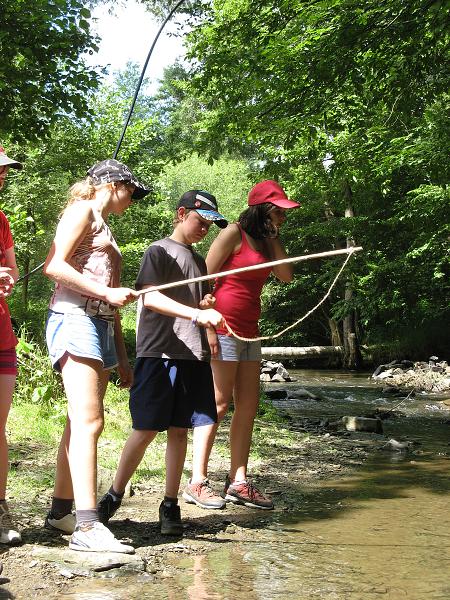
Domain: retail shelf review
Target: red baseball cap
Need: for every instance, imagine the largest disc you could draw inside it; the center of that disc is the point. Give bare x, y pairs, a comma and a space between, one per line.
270, 191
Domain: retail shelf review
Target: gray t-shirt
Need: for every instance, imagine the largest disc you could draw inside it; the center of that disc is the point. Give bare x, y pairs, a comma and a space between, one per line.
161, 336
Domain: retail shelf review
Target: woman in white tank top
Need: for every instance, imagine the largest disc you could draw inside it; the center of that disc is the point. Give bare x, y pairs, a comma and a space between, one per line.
85, 341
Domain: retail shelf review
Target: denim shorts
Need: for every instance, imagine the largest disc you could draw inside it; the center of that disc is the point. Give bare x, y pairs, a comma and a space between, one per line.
172, 393
80, 335
233, 349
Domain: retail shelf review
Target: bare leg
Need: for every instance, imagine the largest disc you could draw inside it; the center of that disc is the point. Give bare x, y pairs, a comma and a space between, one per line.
202, 442
224, 373
175, 457
63, 479
132, 454
6, 393
246, 400
85, 383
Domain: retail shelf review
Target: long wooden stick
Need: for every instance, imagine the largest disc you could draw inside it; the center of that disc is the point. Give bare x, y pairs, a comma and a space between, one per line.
273, 263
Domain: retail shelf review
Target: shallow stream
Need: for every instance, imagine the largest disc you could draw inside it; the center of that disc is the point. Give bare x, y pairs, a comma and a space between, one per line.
381, 531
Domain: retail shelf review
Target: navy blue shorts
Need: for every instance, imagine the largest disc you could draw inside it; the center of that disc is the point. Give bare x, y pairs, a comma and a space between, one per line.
172, 393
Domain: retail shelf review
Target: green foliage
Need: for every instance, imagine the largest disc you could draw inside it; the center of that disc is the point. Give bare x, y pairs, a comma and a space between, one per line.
228, 179
348, 106
267, 411
37, 382
43, 73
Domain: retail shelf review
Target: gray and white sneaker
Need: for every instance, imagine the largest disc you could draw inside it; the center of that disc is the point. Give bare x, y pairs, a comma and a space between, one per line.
96, 537
8, 531
65, 524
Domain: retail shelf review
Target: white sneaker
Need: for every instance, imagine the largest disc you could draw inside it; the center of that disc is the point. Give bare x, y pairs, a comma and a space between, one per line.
65, 525
97, 538
8, 532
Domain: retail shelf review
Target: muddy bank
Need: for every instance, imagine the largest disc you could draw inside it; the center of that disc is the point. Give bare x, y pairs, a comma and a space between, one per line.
293, 459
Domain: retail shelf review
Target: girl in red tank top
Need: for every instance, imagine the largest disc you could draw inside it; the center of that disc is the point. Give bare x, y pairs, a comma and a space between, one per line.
236, 364
238, 297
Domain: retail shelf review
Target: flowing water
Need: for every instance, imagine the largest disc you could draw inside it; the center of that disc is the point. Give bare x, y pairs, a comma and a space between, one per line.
382, 531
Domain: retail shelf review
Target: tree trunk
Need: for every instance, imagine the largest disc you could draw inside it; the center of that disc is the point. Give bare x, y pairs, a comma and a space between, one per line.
352, 352
335, 333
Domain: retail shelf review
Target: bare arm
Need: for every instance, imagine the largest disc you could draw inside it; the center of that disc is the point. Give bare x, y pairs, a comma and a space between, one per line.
124, 368
227, 242
73, 227
276, 251
164, 305
9, 274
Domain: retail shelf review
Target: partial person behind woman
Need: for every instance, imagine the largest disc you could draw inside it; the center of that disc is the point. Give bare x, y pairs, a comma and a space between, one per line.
85, 342
254, 239
9, 274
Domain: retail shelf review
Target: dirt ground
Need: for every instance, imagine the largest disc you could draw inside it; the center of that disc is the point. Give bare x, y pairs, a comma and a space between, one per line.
293, 461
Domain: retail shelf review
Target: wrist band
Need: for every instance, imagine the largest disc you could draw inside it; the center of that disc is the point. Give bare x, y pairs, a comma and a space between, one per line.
194, 319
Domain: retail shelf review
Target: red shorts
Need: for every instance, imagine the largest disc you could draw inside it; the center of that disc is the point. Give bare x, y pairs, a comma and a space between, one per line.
8, 362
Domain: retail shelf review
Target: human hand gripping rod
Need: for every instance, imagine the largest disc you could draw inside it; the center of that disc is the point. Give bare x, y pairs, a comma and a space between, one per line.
273, 263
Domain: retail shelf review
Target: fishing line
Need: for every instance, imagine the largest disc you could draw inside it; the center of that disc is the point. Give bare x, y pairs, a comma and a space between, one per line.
141, 79
276, 335
130, 112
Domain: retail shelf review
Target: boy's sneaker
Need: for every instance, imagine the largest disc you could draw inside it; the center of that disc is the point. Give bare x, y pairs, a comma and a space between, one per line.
96, 537
244, 492
8, 531
202, 494
170, 519
65, 524
107, 507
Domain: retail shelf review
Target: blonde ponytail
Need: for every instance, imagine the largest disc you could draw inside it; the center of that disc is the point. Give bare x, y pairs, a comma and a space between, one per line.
81, 190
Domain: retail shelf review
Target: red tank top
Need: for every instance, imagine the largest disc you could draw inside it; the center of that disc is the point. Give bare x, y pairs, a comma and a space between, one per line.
7, 338
238, 296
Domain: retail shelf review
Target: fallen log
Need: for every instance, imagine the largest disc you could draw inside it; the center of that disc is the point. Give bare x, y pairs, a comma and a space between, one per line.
301, 352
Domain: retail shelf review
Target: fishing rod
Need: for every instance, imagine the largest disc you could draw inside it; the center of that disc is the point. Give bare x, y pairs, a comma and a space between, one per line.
265, 265
141, 79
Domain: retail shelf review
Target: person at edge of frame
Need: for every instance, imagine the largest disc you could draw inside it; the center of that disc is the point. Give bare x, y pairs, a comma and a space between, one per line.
9, 274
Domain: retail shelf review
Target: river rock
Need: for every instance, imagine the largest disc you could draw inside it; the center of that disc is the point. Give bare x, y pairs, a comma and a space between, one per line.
423, 376
384, 374
87, 563
301, 393
363, 424
278, 378
272, 371
282, 372
392, 390
277, 394
398, 446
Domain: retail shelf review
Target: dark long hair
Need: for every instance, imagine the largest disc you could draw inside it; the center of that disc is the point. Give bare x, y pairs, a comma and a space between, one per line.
255, 221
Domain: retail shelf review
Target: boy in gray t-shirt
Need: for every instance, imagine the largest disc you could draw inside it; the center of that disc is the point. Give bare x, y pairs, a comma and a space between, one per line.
173, 388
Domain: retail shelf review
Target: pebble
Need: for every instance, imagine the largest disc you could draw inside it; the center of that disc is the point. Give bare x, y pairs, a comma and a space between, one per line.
66, 573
